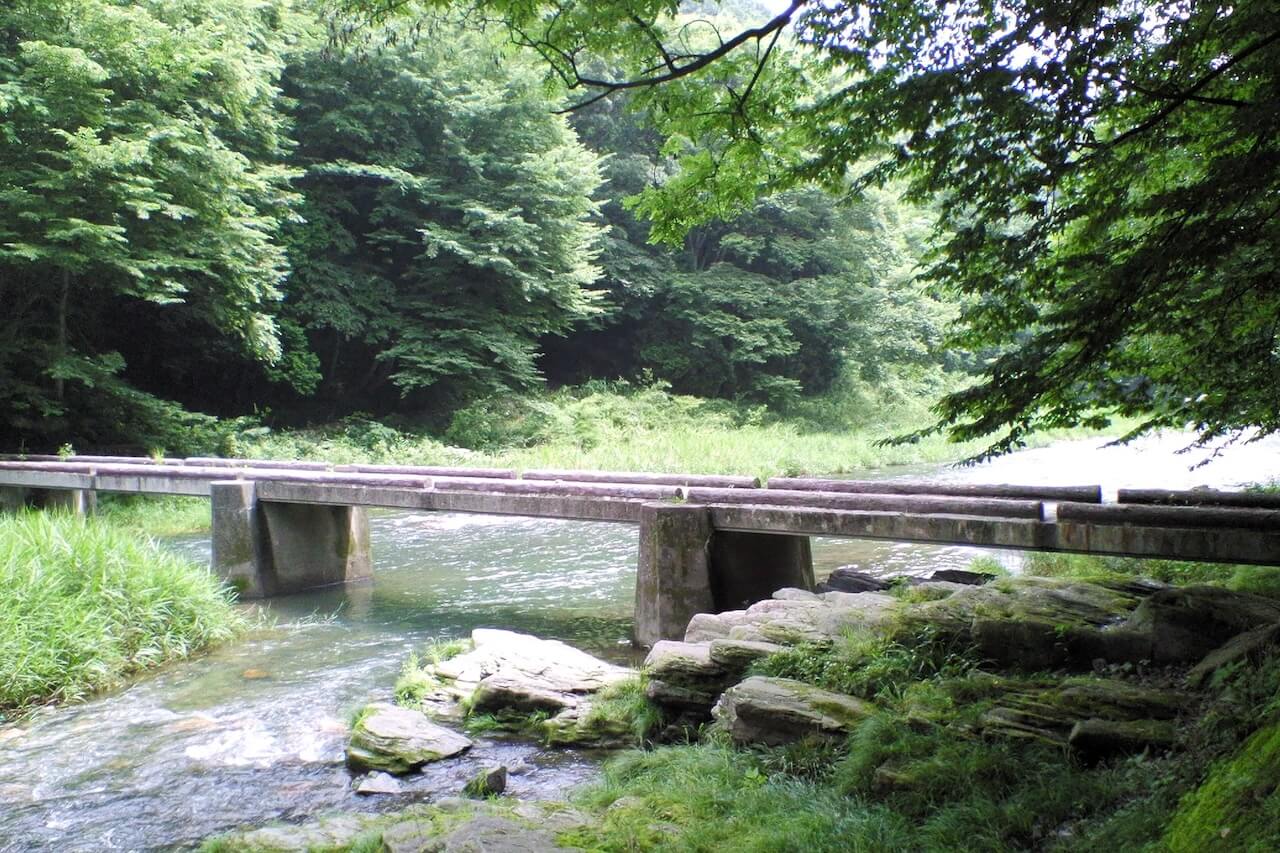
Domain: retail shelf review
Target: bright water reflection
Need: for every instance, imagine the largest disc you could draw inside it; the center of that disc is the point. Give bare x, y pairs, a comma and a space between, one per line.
255, 731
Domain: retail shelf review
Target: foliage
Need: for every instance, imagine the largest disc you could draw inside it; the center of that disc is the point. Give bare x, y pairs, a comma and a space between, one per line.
445, 226
624, 704
87, 604
140, 176
1104, 175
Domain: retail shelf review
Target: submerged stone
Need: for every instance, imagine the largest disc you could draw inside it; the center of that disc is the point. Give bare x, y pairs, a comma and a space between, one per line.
378, 783
399, 740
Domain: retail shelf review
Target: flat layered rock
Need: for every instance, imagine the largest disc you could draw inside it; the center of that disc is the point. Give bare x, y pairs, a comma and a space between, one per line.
794, 617
506, 670
400, 740
775, 711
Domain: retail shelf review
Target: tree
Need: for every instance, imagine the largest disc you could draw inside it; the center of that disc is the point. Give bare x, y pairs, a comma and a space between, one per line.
140, 149
445, 222
1106, 175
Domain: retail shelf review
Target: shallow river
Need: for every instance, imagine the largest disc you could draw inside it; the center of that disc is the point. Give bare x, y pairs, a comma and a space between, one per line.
254, 731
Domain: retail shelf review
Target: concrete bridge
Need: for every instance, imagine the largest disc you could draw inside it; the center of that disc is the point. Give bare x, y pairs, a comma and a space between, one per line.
706, 543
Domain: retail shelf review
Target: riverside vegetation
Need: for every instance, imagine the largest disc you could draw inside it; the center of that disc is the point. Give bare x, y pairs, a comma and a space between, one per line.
1091, 710
88, 604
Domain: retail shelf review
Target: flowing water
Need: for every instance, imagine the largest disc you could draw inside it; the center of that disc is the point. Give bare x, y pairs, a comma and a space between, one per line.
254, 731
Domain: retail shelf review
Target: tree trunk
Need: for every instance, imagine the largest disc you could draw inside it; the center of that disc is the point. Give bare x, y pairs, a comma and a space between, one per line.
60, 342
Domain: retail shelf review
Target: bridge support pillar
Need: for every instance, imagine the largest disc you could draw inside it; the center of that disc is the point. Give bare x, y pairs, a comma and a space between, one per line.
673, 578
750, 567
76, 501
265, 548
688, 567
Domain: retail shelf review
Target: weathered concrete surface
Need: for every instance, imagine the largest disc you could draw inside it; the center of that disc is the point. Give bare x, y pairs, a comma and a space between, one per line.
750, 567
266, 549
921, 504
239, 548
1082, 494
673, 578
314, 546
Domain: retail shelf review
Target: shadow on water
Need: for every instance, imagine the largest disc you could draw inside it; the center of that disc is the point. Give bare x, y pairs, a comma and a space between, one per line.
255, 730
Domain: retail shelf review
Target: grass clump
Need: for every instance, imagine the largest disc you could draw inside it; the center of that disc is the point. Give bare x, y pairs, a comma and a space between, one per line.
86, 604
710, 797
624, 706
873, 667
416, 681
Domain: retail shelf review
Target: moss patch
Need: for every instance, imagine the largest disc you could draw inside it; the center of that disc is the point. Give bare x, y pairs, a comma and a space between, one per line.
1238, 806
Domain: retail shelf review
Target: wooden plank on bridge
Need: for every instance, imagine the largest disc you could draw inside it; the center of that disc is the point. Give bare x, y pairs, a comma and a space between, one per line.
1080, 494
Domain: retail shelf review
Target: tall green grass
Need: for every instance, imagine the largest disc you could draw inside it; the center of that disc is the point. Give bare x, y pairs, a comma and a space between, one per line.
86, 604
156, 515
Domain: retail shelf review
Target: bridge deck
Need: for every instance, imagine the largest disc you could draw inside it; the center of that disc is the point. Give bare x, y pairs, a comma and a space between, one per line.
1239, 527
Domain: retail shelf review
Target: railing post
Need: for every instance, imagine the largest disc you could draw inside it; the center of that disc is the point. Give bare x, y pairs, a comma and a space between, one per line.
673, 578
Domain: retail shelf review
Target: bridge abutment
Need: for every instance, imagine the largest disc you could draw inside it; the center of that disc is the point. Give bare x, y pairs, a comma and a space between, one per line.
687, 567
265, 548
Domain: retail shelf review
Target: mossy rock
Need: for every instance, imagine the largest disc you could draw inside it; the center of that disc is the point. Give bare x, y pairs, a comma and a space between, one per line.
1237, 808
399, 740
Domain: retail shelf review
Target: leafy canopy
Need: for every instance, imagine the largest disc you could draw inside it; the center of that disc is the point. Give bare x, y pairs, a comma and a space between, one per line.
1106, 173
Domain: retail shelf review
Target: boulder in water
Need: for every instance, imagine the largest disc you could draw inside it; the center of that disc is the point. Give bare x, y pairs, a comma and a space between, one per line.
399, 740
489, 782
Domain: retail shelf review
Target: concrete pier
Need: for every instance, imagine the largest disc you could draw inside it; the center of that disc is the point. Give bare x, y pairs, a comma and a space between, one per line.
265, 548
75, 501
750, 567
686, 566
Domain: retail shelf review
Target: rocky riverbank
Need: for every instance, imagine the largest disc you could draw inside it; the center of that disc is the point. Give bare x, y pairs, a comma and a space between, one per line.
957, 713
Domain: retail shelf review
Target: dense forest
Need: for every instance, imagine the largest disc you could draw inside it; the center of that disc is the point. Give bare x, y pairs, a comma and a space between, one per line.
211, 212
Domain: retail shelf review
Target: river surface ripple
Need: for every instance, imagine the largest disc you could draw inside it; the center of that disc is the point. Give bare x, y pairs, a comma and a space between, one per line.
255, 730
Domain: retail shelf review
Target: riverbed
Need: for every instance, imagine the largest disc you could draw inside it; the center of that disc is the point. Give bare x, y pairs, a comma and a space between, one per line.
254, 731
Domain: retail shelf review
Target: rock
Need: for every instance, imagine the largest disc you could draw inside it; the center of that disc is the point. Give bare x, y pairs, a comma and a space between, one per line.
1246, 646
1034, 623
255, 674
1186, 623
323, 834
552, 816
1097, 739
399, 740
1050, 713
411, 836
774, 711
683, 677
849, 579
378, 783
487, 783
507, 671
791, 621
792, 594
963, 577
580, 727
682, 663
492, 834
736, 655
709, 626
